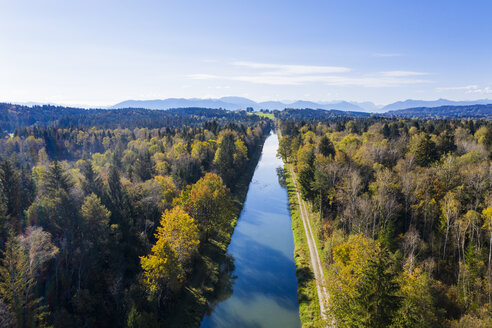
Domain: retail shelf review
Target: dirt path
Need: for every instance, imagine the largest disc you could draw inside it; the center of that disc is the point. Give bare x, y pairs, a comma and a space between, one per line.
313, 251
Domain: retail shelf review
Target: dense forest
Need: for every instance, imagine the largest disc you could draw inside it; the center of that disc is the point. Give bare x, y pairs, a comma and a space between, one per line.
118, 218
17, 116
403, 211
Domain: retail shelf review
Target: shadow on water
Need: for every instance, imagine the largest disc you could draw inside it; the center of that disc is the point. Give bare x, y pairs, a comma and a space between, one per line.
224, 287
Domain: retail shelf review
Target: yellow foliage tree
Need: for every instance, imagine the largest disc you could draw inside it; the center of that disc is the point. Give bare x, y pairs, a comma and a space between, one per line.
209, 202
177, 241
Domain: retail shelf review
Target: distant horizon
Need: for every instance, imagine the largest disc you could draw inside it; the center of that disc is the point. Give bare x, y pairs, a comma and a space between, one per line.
285, 102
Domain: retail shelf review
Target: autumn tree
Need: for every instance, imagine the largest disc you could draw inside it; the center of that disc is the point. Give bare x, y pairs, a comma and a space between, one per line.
177, 241
209, 202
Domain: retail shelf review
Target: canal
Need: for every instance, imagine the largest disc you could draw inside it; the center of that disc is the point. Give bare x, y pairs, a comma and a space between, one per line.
265, 288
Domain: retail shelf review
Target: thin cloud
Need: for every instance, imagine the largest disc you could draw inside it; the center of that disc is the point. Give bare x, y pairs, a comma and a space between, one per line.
279, 69
468, 89
332, 80
278, 74
403, 73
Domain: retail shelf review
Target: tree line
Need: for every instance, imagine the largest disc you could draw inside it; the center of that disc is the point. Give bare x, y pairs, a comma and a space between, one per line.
14, 116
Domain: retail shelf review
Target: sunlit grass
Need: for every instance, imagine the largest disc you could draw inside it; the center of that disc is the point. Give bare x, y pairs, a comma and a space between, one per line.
261, 114
307, 294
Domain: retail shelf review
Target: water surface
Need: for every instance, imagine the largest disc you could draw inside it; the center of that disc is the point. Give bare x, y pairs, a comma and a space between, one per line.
265, 290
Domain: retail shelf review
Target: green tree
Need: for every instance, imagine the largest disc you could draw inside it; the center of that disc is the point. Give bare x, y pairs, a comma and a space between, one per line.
11, 185
57, 178
325, 146
385, 131
138, 319
224, 157
424, 149
306, 182
445, 143
284, 150
306, 168
4, 223
92, 183
94, 236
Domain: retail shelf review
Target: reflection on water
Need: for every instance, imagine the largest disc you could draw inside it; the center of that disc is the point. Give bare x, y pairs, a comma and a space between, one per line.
261, 291
281, 177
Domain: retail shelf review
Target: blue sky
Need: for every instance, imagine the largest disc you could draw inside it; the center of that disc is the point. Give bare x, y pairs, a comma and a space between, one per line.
102, 52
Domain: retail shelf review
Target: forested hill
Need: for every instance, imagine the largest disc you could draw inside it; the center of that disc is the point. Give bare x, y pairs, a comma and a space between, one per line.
17, 116
446, 112
472, 111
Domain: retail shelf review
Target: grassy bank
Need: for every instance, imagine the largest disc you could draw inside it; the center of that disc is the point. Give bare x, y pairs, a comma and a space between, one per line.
212, 278
306, 285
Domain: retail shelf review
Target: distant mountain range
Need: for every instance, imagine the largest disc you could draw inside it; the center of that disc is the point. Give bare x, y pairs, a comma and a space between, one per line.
410, 103
470, 111
409, 107
234, 103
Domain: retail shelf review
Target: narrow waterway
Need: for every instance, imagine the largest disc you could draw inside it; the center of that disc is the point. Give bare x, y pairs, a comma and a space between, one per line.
265, 289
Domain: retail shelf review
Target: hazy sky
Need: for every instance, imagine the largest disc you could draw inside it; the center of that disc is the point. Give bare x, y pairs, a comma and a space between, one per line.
102, 52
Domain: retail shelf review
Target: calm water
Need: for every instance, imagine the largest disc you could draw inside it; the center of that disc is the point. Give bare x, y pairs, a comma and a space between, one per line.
265, 290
